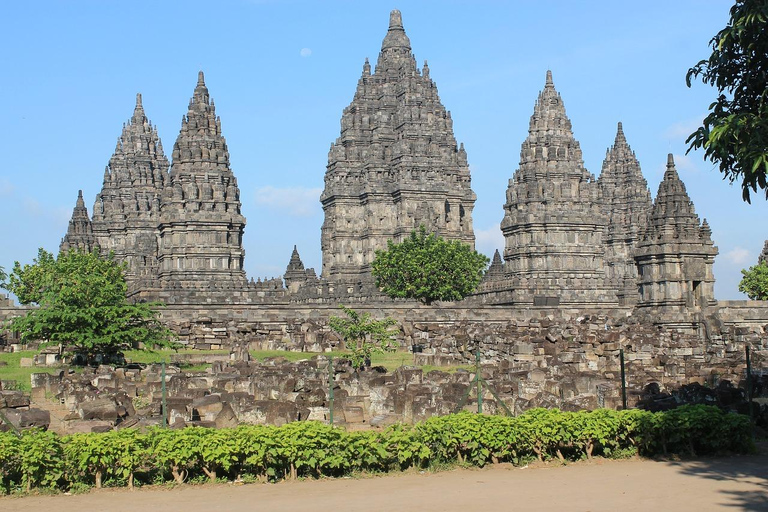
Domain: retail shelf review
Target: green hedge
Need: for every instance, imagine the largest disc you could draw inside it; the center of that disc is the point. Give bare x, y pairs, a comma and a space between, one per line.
252, 452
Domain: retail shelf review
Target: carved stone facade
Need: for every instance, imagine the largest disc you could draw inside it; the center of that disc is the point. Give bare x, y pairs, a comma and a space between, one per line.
201, 227
675, 256
396, 165
763, 258
626, 203
553, 219
127, 210
79, 234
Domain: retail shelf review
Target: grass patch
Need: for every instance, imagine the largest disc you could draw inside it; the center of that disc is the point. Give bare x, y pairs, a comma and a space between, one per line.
13, 370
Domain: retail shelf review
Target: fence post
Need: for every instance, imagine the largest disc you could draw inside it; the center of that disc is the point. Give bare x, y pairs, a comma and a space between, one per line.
330, 390
478, 383
163, 404
749, 382
623, 381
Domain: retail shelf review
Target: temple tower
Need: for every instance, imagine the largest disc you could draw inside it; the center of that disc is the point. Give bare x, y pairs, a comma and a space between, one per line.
201, 227
553, 221
626, 202
127, 210
763, 258
675, 256
80, 230
396, 165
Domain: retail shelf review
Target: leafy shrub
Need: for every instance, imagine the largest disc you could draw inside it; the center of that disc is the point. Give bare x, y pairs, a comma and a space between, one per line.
258, 453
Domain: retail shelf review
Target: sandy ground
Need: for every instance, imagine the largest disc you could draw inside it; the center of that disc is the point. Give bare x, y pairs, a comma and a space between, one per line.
733, 483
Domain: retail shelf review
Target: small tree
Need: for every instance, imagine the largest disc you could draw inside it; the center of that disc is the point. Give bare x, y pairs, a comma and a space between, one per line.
82, 305
735, 132
755, 282
364, 336
428, 268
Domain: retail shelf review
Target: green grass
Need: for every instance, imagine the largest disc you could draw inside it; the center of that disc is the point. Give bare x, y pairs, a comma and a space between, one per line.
21, 375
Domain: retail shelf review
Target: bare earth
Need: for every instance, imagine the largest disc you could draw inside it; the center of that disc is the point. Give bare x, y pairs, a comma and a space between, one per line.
733, 483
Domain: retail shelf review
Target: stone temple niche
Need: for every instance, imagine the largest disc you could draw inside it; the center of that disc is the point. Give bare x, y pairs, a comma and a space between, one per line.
396, 165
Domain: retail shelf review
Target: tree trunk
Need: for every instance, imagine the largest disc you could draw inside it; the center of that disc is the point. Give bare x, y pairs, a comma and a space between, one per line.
98, 479
178, 475
211, 473
130, 480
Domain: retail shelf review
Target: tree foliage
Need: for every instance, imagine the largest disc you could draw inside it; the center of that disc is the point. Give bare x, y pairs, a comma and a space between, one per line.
735, 132
428, 268
363, 335
755, 282
81, 299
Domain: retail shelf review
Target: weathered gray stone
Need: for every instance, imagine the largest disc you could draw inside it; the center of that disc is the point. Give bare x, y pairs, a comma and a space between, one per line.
28, 418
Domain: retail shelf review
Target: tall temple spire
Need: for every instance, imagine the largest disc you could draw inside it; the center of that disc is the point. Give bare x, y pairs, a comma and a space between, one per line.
553, 223
201, 226
80, 230
126, 211
395, 165
626, 202
675, 254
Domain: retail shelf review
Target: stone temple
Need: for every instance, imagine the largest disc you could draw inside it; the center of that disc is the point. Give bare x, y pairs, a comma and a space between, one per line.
589, 266
571, 240
396, 164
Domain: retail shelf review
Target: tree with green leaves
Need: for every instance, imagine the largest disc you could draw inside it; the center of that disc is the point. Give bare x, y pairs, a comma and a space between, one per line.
428, 268
364, 336
82, 305
755, 282
735, 132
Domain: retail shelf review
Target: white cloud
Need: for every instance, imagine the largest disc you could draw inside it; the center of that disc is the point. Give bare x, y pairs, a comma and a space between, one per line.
738, 256
59, 215
683, 164
682, 129
294, 201
488, 240
305, 52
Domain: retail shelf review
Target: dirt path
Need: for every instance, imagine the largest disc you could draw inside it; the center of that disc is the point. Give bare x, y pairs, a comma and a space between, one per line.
735, 483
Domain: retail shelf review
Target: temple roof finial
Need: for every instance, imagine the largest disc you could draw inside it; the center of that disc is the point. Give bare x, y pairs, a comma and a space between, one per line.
396, 37
138, 100
549, 81
620, 138
200, 78
395, 19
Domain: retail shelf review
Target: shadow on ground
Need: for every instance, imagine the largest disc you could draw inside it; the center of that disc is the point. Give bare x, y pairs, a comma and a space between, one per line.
745, 468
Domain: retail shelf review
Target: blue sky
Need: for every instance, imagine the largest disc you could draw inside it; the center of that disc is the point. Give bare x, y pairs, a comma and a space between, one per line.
281, 73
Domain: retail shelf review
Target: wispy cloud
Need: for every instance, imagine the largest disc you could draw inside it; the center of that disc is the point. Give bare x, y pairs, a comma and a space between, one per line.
488, 240
305, 52
683, 163
738, 256
682, 129
34, 208
294, 201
